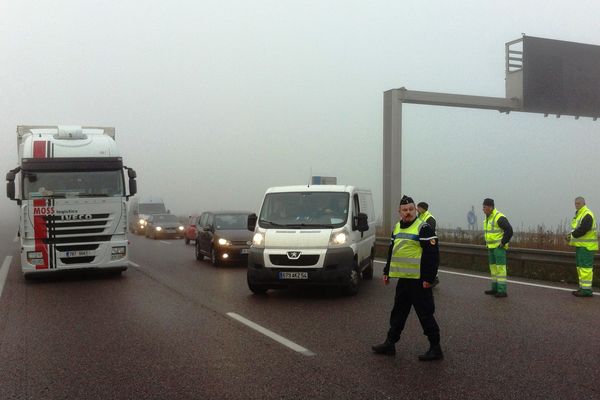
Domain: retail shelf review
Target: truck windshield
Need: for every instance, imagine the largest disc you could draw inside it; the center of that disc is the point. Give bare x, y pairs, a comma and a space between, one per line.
152, 208
73, 184
304, 210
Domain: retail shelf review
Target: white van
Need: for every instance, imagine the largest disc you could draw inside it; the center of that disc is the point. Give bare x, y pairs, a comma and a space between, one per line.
320, 234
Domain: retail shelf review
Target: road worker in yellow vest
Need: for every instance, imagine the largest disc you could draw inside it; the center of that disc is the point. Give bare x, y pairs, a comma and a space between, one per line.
584, 238
497, 233
413, 258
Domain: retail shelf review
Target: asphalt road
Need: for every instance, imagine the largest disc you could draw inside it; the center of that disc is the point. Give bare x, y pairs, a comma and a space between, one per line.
164, 330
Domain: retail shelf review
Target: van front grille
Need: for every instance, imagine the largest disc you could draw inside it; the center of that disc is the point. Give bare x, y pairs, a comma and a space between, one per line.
303, 260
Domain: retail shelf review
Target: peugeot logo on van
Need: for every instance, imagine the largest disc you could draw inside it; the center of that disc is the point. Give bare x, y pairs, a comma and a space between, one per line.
293, 255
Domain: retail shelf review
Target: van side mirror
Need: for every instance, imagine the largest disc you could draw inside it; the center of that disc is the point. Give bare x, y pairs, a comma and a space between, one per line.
251, 225
360, 223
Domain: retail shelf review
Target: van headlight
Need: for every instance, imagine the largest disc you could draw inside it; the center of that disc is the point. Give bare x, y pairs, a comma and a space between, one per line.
258, 240
338, 238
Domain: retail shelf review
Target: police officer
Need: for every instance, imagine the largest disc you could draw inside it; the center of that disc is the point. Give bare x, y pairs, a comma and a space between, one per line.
425, 215
497, 232
585, 240
413, 258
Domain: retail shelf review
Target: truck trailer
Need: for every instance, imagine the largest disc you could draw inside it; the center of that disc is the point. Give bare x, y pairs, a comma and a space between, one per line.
72, 199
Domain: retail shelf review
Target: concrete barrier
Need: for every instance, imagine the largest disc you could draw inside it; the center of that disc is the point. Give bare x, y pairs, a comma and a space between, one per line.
555, 266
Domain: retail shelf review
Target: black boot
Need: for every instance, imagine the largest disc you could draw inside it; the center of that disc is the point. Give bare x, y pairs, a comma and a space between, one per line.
386, 348
434, 353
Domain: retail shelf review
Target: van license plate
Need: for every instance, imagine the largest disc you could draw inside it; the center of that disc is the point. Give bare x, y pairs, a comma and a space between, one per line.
293, 275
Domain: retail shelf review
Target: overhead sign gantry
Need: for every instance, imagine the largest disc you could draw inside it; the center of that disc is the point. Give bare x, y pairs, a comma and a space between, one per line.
542, 76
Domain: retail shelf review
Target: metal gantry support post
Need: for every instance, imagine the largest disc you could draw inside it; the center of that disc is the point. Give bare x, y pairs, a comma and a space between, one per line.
392, 135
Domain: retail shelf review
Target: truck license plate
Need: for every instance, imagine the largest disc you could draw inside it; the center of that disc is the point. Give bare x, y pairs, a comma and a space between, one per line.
78, 253
293, 275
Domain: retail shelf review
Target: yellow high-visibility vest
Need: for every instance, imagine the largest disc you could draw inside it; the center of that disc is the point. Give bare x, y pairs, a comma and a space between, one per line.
492, 232
426, 215
406, 253
590, 239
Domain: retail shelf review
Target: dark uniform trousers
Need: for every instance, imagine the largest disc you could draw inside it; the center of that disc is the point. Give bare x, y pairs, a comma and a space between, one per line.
410, 292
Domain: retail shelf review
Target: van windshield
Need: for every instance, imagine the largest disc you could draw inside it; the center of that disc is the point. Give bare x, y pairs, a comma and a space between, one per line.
304, 210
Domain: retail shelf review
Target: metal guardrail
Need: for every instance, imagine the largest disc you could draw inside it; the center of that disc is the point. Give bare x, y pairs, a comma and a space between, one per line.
549, 265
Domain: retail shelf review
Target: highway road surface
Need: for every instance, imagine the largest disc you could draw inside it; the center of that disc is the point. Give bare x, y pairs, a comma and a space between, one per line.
171, 327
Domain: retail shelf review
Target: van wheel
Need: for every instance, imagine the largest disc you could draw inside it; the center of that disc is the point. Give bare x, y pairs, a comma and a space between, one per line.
352, 288
367, 273
214, 259
256, 289
199, 255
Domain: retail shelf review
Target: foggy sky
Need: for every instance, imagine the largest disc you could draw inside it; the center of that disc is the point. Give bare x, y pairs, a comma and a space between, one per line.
215, 101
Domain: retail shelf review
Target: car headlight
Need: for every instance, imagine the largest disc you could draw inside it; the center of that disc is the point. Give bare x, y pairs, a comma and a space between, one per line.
338, 238
158, 228
142, 222
181, 228
258, 240
224, 242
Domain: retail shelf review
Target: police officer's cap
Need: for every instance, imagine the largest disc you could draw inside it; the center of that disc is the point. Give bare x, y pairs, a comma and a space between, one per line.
406, 200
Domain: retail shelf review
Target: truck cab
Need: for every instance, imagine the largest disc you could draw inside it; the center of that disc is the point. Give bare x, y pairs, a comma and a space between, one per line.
312, 235
72, 196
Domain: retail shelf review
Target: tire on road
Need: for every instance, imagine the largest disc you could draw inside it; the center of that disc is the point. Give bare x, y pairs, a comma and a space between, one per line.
256, 289
353, 281
214, 259
199, 255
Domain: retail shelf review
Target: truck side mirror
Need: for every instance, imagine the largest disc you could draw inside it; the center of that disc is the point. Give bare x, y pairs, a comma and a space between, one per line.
251, 225
10, 184
361, 223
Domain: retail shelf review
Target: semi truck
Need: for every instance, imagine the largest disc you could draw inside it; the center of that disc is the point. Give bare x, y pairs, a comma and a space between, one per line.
72, 198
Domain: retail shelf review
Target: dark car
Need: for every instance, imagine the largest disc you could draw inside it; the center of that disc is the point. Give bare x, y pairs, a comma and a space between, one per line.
190, 230
223, 236
160, 226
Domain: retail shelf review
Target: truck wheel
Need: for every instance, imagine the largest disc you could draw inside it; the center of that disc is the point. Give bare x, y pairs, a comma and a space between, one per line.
367, 273
214, 259
199, 255
353, 279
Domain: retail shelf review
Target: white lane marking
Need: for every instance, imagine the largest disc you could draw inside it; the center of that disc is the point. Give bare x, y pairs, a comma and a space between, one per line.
4, 272
508, 280
280, 339
162, 241
134, 264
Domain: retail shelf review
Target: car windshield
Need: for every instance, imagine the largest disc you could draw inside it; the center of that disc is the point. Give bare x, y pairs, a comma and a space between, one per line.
73, 184
231, 221
151, 208
164, 218
304, 210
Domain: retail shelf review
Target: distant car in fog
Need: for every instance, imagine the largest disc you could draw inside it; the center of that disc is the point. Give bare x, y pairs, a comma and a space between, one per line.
165, 226
189, 232
223, 236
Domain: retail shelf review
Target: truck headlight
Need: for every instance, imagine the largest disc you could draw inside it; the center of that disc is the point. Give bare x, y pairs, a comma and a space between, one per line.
158, 229
224, 242
34, 254
118, 252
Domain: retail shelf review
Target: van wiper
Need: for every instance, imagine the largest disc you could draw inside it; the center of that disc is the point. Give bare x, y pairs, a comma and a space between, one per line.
264, 221
303, 225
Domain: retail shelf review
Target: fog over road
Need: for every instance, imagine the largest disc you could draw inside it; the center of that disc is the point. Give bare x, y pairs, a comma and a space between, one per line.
163, 330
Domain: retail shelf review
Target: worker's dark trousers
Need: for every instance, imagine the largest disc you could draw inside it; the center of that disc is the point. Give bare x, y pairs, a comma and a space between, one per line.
410, 292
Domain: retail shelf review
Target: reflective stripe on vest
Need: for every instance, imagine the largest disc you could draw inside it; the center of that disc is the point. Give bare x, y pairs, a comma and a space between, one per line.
492, 232
406, 253
590, 239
